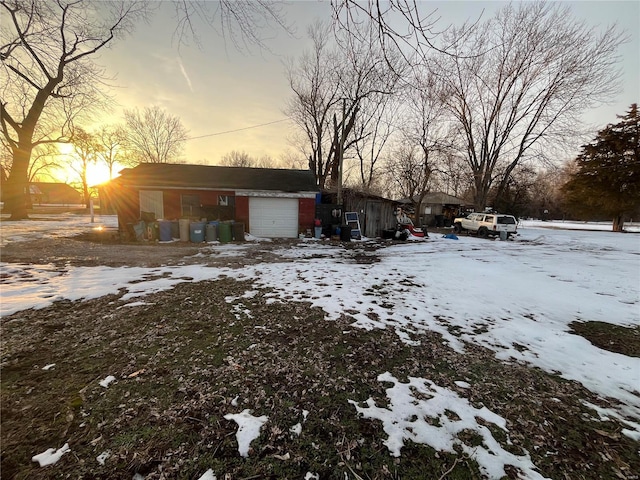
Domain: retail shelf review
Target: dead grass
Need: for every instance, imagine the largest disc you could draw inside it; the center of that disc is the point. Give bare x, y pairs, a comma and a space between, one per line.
184, 357
607, 336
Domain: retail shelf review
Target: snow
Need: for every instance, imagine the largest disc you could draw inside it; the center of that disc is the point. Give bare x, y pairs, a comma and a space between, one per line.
106, 381
248, 429
428, 418
296, 429
51, 455
49, 226
103, 457
208, 475
516, 298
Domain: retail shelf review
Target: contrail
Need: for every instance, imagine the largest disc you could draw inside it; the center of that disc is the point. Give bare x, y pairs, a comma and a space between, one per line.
184, 74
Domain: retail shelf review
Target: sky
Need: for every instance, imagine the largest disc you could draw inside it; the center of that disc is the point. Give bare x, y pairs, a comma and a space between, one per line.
523, 297
216, 88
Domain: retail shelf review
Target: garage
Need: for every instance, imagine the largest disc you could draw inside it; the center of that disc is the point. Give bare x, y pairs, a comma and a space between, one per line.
273, 217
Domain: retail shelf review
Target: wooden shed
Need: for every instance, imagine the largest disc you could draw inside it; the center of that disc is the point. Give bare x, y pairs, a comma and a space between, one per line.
374, 212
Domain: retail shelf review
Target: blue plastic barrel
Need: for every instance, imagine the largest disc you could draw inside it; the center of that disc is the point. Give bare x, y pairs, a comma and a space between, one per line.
165, 230
196, 232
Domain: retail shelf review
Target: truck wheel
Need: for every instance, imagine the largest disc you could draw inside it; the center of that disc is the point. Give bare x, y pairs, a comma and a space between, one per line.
457, 228
483, 232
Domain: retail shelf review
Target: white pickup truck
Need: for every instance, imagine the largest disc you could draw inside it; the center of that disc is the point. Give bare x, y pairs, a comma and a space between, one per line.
486, 224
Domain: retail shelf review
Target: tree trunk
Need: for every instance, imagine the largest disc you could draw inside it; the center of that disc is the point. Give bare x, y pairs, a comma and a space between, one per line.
480, 194
16, 189
618, 223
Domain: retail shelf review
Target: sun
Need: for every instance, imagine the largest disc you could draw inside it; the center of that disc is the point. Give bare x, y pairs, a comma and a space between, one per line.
98, 173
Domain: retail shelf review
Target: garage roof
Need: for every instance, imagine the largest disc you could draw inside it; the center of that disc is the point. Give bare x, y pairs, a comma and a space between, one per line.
168, 175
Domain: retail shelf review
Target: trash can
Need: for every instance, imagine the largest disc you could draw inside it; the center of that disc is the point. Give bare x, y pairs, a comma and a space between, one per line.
318, 232
211, 231
503, 235
196, 232
138, 230
165, 230
175, 229
224, 232
184, 229
152, 231
345, 233
237, 231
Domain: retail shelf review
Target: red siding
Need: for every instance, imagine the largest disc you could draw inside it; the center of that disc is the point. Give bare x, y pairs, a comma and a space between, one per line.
171, 204
306, 213
242, 211
127, 204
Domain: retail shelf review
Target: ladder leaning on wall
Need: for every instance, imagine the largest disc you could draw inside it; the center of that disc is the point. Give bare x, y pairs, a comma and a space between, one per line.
353, 221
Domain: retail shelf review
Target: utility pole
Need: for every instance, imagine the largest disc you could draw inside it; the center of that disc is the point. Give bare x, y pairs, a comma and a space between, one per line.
339, 149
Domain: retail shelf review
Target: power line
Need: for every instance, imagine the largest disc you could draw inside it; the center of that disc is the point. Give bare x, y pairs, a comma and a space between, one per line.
239, 129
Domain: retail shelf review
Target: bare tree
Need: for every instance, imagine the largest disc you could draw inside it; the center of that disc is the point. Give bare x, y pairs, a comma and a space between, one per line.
45, 159
331, 87
243, 23
85, 148
425, 133
408, 175
237, 158
154, 136
404, 27
316, 93
47, 75
374, 129
110, 141
452, 175
520, 80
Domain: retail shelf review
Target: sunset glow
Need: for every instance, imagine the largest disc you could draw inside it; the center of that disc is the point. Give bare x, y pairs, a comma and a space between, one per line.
69, 170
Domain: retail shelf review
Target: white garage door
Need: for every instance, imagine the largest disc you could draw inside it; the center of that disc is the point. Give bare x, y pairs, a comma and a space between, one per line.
151, 201
273, 217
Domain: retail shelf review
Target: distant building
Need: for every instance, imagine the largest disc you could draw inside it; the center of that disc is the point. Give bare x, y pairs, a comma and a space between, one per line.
51, 193
438, 208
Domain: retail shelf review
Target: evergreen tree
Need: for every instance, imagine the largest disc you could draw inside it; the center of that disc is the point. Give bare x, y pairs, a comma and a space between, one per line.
607, 179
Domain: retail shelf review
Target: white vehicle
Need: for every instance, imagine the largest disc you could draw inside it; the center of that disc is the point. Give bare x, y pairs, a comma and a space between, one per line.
486, 224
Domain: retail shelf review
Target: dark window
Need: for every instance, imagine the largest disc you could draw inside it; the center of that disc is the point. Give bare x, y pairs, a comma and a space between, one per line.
226, 200
190, 205
506, 220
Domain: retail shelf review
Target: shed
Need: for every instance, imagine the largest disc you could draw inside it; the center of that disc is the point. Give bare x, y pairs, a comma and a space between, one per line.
438, 208
375, 213
276, 203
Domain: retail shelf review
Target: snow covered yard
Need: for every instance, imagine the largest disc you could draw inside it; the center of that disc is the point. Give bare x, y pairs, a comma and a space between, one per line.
435, 359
